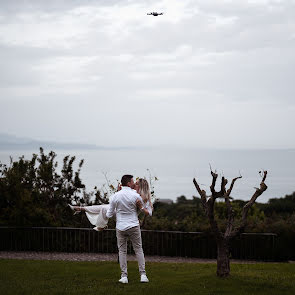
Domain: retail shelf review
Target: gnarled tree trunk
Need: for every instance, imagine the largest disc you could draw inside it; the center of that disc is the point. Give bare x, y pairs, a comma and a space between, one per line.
223, 264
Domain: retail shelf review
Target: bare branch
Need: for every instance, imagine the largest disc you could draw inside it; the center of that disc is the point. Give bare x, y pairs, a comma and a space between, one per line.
258, 192
212, 187
232, 185
264, 176
223, 185
105, 174
209, 205
230, 213
202, 194
230, 216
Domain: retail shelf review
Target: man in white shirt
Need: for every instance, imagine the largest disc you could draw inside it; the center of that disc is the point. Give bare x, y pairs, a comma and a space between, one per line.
124, 205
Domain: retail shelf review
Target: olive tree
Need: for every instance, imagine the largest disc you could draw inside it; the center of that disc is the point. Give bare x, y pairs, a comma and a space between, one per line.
233, 227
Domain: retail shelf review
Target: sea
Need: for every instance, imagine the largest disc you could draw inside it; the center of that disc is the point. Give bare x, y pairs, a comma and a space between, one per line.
175, 169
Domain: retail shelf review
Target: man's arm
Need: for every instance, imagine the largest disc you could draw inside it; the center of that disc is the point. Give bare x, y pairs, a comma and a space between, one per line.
112, 207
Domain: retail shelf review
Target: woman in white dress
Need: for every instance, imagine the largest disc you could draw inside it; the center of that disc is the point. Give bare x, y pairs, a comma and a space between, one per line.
96, 214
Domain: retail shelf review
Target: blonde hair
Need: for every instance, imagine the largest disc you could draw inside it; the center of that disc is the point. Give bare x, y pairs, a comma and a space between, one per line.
144, 191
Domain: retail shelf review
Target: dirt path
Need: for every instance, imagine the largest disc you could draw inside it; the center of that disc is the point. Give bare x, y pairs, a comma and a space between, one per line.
102, 257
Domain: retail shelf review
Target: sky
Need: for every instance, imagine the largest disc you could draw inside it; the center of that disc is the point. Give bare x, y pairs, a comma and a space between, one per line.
208, 74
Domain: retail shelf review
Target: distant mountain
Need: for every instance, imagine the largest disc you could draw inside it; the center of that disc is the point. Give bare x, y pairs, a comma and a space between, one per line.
11, 142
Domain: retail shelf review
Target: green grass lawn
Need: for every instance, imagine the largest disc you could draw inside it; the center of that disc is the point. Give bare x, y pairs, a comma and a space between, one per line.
60, 277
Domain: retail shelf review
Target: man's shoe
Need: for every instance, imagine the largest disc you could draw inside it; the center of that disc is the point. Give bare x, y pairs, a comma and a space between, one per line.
144, 279
123, 280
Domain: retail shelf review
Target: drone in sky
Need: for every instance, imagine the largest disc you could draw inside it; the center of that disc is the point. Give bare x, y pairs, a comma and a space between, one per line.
155, 13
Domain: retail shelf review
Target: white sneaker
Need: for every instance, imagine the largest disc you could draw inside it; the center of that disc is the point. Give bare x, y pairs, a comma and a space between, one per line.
144, 279
123, 280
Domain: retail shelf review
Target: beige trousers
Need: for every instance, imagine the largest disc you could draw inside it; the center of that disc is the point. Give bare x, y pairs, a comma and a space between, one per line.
135, 237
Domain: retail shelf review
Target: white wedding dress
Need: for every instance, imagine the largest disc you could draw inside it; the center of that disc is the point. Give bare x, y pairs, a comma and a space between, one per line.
96, 215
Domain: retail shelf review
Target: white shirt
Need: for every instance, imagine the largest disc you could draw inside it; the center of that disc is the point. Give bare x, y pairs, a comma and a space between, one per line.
123, 204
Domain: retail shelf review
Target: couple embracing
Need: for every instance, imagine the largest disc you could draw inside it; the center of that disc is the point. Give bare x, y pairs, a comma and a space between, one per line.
125, 204
131, 198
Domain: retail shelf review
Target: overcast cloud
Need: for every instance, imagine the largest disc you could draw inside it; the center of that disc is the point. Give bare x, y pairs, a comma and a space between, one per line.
207, 73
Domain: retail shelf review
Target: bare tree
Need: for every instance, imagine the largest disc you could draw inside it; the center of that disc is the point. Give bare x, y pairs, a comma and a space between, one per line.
223, 239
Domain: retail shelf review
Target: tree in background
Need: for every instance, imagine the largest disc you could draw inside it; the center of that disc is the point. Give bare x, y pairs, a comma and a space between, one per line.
37, 192
233, 228
34, 193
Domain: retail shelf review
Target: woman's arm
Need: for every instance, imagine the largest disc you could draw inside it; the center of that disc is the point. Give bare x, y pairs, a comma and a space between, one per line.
145, 211
141, 207
149, 209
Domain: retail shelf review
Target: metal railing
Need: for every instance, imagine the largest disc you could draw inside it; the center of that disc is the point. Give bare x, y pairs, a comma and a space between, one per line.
162, 243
